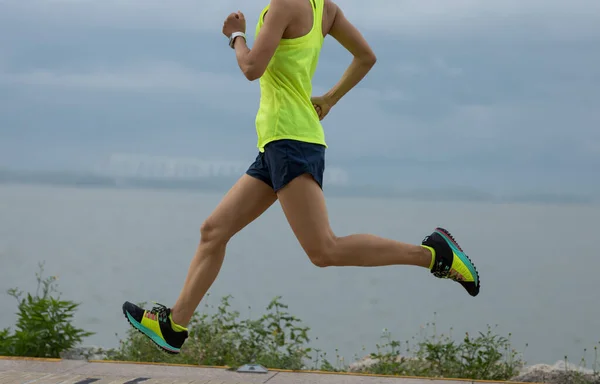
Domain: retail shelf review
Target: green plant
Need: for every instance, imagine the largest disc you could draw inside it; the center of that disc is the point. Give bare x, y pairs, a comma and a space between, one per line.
6, 342
276, 340
321, 363
485, 357
44, 322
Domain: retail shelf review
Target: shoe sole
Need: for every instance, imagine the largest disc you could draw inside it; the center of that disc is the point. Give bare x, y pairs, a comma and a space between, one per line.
449, 238
149, 334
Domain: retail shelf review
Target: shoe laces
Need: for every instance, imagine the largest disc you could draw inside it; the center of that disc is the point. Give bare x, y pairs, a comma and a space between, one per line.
161, 311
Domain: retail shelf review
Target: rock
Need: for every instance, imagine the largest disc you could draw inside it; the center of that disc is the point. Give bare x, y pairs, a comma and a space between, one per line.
362, 364
559, 373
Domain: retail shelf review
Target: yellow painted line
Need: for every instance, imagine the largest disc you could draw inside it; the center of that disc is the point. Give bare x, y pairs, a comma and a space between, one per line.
160, 364
23, 358
314, 372
398, 376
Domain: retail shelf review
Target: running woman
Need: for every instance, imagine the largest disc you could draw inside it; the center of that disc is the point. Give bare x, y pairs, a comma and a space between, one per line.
290, 164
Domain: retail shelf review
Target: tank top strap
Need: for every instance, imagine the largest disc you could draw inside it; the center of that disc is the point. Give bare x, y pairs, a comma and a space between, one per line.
318, 6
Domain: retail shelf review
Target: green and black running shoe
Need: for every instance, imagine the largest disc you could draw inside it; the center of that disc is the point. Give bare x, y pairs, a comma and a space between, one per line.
157, 325
450, 261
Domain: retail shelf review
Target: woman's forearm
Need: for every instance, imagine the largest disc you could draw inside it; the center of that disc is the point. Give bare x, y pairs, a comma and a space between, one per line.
355, 72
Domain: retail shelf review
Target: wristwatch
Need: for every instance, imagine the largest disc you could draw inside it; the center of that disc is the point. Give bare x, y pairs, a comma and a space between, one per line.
234, 35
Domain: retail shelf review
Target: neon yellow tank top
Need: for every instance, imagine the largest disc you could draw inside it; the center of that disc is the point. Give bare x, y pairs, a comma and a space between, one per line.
285, 110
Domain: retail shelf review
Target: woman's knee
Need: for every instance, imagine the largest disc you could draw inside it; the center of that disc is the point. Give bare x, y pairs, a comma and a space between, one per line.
213, 233
323, 253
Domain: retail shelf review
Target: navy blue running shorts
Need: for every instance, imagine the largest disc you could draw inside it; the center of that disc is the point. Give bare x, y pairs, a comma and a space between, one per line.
284, 160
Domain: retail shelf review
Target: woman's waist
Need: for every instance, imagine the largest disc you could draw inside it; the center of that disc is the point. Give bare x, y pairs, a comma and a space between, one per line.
288, 114
301, 109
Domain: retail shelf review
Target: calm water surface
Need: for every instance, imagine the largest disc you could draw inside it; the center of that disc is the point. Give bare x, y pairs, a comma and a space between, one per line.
538, 266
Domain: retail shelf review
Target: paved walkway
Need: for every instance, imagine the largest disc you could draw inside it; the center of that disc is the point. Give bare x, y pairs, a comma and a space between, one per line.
50, 371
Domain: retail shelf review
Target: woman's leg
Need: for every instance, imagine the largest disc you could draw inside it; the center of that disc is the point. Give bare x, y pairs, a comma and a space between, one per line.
244, 202
304, 206
303, 203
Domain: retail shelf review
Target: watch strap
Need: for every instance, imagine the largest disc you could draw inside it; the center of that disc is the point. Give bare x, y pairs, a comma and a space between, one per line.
234, 35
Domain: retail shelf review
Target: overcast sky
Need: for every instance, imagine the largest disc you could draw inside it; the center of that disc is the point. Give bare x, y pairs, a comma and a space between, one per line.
495, 93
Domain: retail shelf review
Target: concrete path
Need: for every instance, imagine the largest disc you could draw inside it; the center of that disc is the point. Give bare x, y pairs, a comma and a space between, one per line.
51, 371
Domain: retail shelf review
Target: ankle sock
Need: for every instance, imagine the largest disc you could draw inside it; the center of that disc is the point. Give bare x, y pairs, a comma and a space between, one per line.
432, 255
176, 327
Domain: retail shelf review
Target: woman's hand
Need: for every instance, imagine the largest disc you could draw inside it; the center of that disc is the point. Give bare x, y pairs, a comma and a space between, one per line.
235, 22
322, 105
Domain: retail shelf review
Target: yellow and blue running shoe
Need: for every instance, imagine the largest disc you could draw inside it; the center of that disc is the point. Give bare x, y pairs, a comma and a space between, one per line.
450, 262
157, 325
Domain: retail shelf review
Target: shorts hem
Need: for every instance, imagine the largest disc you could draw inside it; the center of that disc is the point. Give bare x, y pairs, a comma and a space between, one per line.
260, 177
290, 179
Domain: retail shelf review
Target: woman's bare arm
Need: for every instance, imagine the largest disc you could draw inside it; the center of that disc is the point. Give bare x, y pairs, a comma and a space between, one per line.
350, 38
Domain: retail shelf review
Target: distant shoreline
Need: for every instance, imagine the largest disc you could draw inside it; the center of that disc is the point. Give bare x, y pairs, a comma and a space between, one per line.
222, 184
